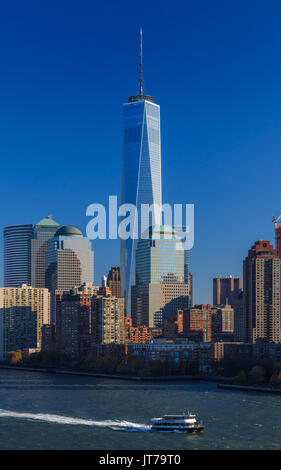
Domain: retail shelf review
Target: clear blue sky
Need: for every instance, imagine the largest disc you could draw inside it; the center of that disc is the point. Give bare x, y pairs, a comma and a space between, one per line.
66, 67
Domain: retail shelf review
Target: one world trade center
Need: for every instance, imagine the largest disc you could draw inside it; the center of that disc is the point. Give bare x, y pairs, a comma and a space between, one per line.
141, 170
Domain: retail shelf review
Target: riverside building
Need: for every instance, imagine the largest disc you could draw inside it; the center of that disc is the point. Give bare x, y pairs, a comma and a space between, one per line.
108, 318
261, 271
23, 312
73, 323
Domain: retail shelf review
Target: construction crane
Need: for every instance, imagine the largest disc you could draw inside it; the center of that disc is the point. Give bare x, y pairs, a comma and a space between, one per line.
275, 221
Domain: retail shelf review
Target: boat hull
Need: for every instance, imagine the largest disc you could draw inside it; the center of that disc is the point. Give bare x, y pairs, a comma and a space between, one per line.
185, 429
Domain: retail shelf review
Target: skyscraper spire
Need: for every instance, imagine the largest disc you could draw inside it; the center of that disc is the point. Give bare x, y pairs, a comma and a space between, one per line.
140, 96
141, 76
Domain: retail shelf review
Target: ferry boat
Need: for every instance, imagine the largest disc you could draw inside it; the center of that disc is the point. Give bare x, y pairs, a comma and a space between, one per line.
183, 423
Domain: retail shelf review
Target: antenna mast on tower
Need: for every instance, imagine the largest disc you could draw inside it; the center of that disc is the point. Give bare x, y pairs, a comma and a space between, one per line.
141, 73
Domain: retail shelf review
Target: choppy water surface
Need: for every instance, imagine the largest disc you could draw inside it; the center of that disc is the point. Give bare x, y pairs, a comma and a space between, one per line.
44, 411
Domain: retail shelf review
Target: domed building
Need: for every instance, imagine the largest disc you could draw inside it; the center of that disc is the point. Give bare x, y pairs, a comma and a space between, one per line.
69, 231
69, 262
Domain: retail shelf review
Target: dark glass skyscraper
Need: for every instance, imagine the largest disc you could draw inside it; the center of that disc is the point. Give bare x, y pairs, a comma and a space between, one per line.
141, 170
17, 255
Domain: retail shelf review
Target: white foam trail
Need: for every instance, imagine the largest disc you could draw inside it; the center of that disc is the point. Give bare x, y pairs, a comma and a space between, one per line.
50, 418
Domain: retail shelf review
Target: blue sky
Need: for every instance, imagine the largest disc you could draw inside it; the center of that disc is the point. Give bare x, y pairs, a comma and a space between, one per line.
214, 67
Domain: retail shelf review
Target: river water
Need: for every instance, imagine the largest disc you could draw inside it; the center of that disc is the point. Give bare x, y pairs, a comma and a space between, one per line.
48, 411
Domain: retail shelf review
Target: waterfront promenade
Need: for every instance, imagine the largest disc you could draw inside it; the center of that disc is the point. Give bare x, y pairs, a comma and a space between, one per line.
112, 376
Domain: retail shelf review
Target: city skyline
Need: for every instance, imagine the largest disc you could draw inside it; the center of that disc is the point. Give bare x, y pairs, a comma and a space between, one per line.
236, 155
140, 255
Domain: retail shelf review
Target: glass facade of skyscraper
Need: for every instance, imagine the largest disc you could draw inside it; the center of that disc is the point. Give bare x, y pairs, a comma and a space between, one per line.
17, 255
157, 258
69, 261
141, 174
160, 288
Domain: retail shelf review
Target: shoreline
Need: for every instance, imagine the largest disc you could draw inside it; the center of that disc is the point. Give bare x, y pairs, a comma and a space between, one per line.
249, 388
111, 376
220, 380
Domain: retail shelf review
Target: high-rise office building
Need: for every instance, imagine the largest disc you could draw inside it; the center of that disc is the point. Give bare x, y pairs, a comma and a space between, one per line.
160, 289
141, 172
17, 255
113, 281
225, 288
69, 262
261, 271
23, 312
43, 231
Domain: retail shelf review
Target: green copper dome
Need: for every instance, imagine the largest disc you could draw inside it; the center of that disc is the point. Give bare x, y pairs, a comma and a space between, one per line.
69, 231
47, 222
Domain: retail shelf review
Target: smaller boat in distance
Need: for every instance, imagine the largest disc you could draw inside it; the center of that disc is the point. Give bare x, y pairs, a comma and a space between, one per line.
182, 423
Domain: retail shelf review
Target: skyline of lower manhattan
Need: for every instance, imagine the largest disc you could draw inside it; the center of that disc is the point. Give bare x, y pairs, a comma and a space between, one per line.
197, 150
49, 255
140, 284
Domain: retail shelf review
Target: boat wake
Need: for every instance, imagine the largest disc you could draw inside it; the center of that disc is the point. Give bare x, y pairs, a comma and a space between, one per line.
116, 425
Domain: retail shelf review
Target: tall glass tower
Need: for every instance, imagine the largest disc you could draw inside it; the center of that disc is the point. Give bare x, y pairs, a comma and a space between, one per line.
17, 246
141, 170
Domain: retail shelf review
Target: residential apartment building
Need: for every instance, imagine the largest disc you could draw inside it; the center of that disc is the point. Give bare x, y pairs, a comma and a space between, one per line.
23, 312
261, 271
108, 319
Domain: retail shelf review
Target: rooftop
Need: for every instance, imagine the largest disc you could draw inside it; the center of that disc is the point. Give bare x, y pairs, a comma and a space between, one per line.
47, 222
69, 231
134, 98
161, 231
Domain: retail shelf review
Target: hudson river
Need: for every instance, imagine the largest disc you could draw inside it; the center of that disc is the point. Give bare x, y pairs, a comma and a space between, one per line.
45, 411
